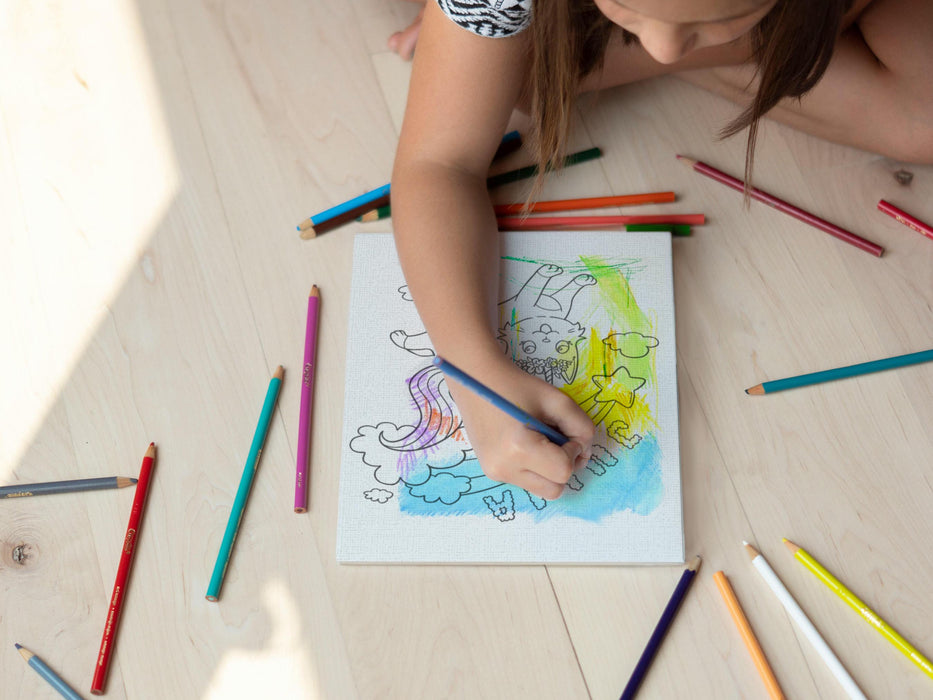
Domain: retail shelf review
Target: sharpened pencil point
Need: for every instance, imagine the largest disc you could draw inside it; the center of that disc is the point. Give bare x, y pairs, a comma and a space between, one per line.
315, 292
752, 552
18, 646
790, 545
152, 450
695, 564
279, 372
757, 390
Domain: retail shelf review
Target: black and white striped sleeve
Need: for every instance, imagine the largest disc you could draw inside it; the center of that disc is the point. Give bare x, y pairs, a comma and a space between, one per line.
492, 18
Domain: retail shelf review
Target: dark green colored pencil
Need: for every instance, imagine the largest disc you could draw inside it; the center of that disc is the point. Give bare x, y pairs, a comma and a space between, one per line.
48, 487
532, 170
675, 229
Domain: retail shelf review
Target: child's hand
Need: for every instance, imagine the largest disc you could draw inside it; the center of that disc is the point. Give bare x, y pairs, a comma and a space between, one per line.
506, 449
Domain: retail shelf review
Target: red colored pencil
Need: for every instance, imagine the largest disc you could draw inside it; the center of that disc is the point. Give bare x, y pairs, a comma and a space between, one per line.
515, 223
785, 207
620, 200
905, 218
123, 572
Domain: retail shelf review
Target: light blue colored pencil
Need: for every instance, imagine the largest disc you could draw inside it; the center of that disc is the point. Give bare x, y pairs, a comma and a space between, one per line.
829, 375
246, 483
48, 674
344, 207
500, 402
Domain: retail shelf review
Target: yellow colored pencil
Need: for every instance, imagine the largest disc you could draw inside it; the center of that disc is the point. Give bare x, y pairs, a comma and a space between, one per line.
748, 636
853, 601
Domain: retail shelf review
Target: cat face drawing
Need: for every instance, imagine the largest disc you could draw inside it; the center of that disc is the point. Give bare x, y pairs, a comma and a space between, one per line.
541, 335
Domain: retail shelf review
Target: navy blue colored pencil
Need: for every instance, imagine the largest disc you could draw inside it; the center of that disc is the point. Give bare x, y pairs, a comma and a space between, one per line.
667, 617
500, 402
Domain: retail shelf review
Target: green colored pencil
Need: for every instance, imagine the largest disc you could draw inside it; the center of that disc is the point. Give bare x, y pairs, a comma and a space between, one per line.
246, 483
376, 214
675, 229
829, 375
532, 170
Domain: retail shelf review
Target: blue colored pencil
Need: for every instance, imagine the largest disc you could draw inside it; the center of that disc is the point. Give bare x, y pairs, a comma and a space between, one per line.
510, 142
667, 617
48, 674
829, 375
500, 402
246, 483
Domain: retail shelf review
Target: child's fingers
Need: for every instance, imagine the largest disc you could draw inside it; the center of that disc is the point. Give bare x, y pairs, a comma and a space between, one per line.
539, 485
564, 414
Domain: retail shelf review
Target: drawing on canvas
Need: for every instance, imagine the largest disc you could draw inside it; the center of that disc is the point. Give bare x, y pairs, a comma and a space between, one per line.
576, 324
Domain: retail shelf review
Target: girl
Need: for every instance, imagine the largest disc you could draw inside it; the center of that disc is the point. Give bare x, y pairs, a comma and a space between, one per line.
863, 64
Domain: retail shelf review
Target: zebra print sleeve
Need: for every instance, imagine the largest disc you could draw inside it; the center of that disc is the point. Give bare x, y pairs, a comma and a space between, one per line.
492, 18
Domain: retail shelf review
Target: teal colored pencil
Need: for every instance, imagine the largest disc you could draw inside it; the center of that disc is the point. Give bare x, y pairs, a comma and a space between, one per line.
44, 670
246, 483
829, 375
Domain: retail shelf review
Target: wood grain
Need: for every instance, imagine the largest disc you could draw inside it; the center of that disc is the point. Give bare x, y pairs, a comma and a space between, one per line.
154, 160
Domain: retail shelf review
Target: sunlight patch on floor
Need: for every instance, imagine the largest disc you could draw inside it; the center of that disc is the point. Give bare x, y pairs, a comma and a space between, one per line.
89, 172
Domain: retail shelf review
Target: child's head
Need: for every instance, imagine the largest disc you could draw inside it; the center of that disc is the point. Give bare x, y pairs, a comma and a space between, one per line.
670, 29
791, 41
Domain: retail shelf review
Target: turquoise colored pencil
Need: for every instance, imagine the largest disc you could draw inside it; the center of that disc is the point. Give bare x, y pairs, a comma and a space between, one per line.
246, 483
44, 670
829, 375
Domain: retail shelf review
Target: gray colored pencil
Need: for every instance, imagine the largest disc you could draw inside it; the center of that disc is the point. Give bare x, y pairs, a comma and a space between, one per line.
43, 489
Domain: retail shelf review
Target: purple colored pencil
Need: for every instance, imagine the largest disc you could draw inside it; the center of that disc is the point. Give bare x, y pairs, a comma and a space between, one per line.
307, 394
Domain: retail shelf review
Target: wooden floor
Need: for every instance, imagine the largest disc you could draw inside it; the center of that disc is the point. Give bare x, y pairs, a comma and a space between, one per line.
155, 158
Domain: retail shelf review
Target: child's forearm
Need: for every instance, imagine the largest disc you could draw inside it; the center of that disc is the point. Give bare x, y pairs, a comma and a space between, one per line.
447, 242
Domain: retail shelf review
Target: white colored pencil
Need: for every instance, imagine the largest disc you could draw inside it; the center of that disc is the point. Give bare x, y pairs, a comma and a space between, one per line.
803, 622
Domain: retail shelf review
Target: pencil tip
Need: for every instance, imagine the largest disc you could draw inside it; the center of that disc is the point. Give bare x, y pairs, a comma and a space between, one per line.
152, 450
133, 480
752, 552
790, 545
745, 542
757, 390
695, 564
18, 646
279, 372
315, 292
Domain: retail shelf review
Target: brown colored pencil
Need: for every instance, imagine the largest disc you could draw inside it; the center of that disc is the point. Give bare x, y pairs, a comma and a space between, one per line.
123, 572
310, 230
781, 205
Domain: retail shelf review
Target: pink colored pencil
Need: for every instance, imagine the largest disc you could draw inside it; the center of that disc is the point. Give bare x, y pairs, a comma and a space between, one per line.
516, 223
905, 218
783, 206
307, 395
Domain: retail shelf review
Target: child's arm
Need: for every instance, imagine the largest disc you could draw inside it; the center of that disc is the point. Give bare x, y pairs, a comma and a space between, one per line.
463, 90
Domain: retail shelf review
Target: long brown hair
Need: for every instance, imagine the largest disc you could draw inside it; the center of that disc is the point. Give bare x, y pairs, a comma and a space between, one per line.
792, 47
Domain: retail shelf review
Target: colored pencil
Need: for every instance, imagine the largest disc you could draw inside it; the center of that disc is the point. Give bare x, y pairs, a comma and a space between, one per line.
531, 223
803, 622
343, 208
376, 214
44, 670
50, 487
510, 143
905, 218
620, 200
532, 170
123, 572
342, 218
500, 402
748, 636
785, 207
307, 395
377, 199
246, 483
675, 229
829, 375
667, 618
854, 602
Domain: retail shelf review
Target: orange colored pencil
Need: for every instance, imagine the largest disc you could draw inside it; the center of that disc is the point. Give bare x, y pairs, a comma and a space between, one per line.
532, 223
620, 200
748, 636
